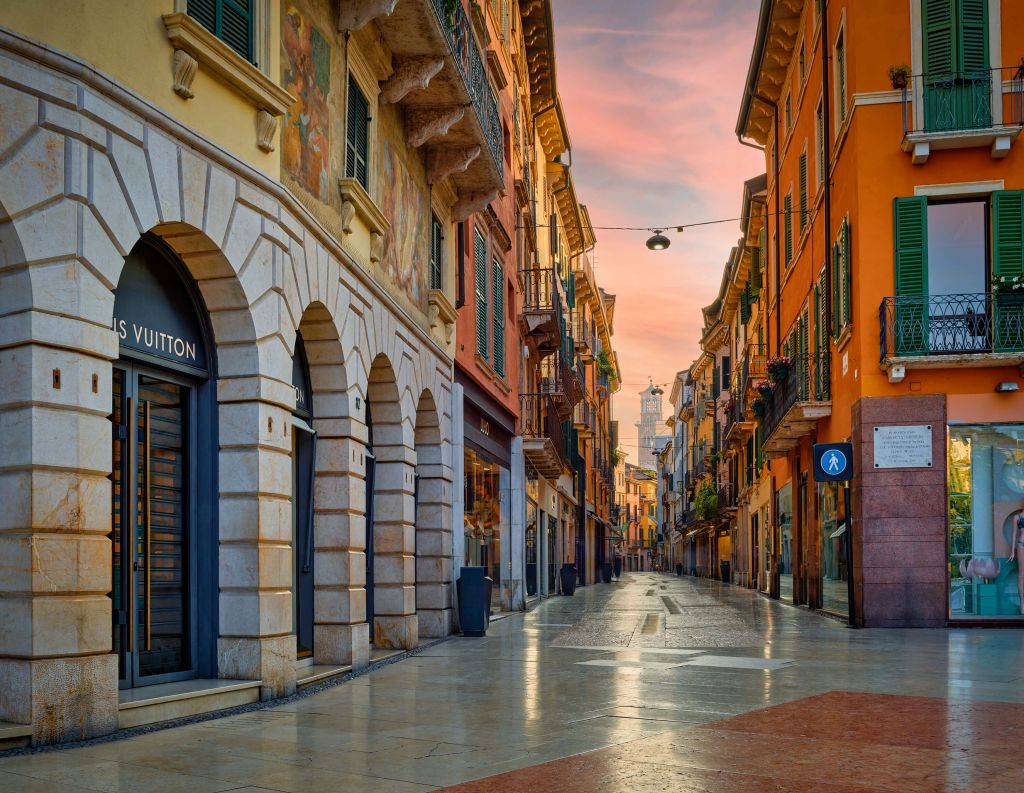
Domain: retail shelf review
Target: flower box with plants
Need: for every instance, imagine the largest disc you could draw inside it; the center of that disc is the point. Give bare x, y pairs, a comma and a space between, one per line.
760, 407
899, 76
1009, 289
778, 368
764, 390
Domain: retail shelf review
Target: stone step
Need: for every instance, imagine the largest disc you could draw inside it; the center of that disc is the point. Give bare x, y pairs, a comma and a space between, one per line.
151, 704
318, 673
14, 736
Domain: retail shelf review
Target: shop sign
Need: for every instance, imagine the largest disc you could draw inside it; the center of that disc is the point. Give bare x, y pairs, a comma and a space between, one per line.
833, 462
908, 446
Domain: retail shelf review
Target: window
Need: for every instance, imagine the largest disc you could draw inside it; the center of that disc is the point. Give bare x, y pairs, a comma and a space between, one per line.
789, 113
841, 280
957, 81
229, 20
498, 316
436, 254
357, 135
819, 131
802, 61
803, 190
482, 317
821, 313
839, 59
787, 212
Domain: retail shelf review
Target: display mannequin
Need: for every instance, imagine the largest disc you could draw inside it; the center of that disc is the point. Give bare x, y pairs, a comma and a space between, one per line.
1017, 552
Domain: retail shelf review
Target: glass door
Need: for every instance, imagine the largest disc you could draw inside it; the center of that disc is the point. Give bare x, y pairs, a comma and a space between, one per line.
151, 527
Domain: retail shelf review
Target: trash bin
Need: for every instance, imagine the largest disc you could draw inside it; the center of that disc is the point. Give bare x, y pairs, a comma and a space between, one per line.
606, 572
618, 567
679, 569
474, 589
725, 567
568, 579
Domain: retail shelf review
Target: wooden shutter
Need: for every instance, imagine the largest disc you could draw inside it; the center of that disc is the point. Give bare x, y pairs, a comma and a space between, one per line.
498, 314
837, 294
357, 135
972, 37
229, 20
1008, 260
820, 314
938, 24
755, 272
841, 75
480, 271
910, 319
788, 223
744, 307
803, 191
847, 273
436, 254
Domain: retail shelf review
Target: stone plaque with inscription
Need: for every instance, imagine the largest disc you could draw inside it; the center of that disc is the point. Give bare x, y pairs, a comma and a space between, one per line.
909, 446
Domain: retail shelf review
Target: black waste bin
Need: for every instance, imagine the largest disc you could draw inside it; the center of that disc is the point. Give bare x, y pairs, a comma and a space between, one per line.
679, 569
568, 579
725, 567
618, 567
606, 572
474, 589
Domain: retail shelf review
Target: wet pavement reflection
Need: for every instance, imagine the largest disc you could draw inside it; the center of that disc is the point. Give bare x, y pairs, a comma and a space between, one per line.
653, 683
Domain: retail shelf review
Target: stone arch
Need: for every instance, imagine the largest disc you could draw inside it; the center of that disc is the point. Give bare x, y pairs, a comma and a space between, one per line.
433, 523
391, 575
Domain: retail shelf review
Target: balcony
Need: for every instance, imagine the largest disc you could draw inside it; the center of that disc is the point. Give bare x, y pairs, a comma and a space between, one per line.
543, 440
752, 367
540, 307
738, 424
797, 403
956, 110
583, 336
944, 331
560, 383
584, 419
726, 499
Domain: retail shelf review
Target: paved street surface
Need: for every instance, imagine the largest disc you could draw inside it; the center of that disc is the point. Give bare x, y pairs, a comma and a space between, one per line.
651, 684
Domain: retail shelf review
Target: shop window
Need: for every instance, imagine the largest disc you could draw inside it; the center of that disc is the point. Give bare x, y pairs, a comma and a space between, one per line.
985, 503
486, 522
835, 567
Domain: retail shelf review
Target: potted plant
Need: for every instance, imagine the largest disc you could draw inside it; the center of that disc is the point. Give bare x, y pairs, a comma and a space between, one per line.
760, 407
1009, 290
778, 368
899, 76
764, 389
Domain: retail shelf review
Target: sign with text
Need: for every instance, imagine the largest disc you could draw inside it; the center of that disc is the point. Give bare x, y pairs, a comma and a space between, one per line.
833, 462
909, 446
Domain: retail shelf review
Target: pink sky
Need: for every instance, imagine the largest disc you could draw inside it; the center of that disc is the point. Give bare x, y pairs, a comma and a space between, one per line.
651, 91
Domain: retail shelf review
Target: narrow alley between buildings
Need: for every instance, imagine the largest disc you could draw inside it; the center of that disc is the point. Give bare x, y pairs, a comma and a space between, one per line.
651, 683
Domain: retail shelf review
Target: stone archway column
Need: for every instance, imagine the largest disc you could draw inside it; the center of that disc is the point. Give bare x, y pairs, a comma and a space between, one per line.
434, 545
340, 632
255, 637
394, 560
57, 671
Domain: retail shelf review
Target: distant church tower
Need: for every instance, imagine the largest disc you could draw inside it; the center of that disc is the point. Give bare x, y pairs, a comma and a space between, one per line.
651, 418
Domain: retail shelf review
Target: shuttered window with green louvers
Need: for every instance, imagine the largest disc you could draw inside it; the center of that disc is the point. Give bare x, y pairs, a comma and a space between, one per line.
357, 135
821, 313
229, 20
1008, 266
840, 67
788, 224
847, 273
436, 254
482, 317
837, 291
744, 307
498, 312
803, 191
956, 64
755, 273
909, 332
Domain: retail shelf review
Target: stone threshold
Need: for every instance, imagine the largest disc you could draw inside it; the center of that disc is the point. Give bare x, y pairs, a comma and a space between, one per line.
166, 701
14, 736
318, 673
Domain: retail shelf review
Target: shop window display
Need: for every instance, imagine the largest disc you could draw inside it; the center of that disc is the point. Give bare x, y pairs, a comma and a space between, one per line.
835, 568
986, 535
485, 521
784, 509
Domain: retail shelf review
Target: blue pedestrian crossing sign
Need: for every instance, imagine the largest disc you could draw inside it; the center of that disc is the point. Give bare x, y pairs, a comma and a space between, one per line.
833, 462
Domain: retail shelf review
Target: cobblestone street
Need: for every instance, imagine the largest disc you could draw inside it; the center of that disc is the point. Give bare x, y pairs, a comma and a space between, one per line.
649, 684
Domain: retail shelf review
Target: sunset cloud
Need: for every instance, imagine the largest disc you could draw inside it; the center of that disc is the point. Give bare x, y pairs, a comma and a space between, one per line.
651, 91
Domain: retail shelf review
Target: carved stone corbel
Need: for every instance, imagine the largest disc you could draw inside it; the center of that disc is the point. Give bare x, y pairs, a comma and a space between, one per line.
424, 123
266, 126
376, 247
442, 161
471, 203
184, 67
348, 214
410, 74
353, 14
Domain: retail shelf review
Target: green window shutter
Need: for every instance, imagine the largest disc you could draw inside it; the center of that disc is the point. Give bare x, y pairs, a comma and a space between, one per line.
972, 41
755, 273
847, 272
357, 135
789, 113
803, 191
762, 249
820, 129
480, 272
841, 76
436, 254
837, 296
498, 308
821, 313
229, 20
1008, 261
939, 27
910, 321
744, 307
788, 222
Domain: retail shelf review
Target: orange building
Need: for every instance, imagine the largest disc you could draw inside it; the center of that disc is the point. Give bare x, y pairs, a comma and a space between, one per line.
894, 262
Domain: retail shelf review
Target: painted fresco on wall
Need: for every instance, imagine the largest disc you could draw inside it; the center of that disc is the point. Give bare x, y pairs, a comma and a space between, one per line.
404, 204
306, 138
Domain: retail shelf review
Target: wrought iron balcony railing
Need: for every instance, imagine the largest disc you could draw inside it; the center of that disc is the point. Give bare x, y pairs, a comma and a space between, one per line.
982, 322
459, 30
540, 420
752, 369
539, 290
808, 381
963, 101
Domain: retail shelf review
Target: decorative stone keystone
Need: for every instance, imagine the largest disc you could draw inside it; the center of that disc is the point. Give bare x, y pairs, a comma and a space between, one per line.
424, 123
353, 14
442, 161
410, 74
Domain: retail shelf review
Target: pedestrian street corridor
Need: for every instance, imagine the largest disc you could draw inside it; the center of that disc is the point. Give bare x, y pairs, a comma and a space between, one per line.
651, 683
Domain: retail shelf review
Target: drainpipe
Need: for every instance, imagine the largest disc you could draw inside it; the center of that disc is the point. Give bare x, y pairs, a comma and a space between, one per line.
826, 122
